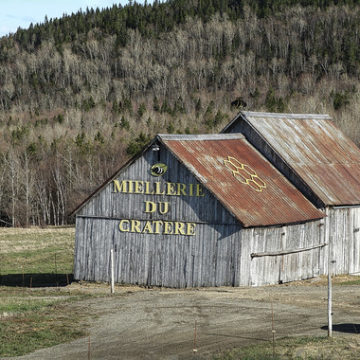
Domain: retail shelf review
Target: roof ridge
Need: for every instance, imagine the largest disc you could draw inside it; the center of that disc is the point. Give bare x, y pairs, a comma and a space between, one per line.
284, 115
190, 137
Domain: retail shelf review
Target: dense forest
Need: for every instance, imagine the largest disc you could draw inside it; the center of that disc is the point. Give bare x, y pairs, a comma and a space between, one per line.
81, 94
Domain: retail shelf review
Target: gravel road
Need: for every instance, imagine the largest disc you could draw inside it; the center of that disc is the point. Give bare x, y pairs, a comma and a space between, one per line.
160, 323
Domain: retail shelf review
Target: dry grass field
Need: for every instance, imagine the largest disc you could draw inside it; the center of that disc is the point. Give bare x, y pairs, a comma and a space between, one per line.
39, 309
34, 264
34, 250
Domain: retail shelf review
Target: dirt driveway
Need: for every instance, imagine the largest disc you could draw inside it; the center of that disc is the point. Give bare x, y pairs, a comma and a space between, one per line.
159, 324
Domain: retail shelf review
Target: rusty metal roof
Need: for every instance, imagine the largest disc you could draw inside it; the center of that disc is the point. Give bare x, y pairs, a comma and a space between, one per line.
318, 152
241, 179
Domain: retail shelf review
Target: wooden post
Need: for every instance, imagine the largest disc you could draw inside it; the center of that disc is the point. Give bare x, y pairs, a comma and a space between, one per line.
283, 247
194, 346
56, 278
329, 289
273, 327
89, 348
112, 270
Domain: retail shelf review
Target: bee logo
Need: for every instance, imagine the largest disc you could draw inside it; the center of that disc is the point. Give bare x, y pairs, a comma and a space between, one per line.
158, 169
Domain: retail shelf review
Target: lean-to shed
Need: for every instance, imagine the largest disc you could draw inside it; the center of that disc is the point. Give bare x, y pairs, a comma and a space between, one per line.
199, 210
322, 163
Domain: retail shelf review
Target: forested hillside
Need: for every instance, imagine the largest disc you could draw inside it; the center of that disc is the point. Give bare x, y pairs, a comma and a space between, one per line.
80, 94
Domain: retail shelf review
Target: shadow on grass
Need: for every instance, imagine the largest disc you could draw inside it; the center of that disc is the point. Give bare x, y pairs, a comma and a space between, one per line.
345, 328
36, 280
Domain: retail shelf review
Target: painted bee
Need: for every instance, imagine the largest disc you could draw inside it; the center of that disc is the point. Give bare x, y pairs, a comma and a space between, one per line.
158, 169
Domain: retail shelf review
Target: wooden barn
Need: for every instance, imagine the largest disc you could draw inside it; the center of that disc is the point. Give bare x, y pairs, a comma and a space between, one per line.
322, 163
199, 210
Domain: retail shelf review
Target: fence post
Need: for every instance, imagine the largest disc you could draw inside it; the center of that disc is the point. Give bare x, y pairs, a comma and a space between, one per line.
194, 346
329, 289
56, 277
89, 348
112, 270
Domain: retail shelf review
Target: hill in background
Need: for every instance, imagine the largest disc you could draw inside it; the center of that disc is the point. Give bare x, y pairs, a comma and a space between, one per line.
80, 94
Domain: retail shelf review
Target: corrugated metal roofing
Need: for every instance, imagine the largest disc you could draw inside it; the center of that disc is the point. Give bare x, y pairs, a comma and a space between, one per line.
316, 150
242, 179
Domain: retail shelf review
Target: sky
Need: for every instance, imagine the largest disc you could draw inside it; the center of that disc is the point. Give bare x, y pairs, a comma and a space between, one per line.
20, 13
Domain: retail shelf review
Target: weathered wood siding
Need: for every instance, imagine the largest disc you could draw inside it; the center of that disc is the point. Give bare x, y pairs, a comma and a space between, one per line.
216, 256
208, 259
344, 229
282, 268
